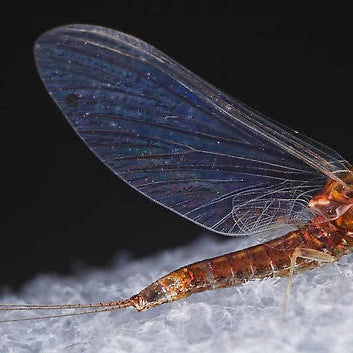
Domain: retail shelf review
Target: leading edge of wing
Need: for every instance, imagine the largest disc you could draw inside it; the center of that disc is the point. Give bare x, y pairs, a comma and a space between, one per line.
167, 133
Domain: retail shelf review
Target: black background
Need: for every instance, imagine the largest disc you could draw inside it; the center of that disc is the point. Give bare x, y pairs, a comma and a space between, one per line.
62, 206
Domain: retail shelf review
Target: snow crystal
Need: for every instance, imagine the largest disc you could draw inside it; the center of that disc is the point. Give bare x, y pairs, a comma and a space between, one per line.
247, 318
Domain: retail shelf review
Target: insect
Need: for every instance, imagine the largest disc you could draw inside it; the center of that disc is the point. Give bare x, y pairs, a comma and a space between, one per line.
198, 152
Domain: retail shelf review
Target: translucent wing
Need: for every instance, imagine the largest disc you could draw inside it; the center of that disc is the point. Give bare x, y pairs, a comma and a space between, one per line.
175, 138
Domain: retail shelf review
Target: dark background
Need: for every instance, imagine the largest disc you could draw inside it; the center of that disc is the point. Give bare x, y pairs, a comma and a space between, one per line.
62, 206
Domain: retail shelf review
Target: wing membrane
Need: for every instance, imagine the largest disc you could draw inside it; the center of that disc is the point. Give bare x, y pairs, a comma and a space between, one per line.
175, 138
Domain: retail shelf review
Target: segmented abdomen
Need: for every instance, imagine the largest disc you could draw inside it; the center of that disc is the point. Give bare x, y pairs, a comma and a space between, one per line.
269, 259
264, 260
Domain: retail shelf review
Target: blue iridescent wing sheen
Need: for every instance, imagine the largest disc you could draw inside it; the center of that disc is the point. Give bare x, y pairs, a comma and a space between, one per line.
177, 139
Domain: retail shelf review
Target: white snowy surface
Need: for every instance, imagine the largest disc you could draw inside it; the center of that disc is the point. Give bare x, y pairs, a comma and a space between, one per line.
243, 319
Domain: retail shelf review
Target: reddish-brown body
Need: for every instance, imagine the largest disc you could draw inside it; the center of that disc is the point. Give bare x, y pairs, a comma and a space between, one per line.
331, 237
270, 259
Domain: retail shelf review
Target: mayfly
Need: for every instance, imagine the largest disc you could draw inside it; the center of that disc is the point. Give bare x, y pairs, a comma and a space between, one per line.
198, 152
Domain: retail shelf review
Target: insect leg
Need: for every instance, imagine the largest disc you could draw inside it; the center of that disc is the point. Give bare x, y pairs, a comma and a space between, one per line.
304, 253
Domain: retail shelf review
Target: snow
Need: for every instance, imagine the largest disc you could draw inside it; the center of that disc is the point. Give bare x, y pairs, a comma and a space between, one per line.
247, 318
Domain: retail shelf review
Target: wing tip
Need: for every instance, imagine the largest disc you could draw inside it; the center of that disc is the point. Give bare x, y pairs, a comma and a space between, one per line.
63, 29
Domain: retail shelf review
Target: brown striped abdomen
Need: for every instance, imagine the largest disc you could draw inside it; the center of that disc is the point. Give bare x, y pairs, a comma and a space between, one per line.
269, 259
